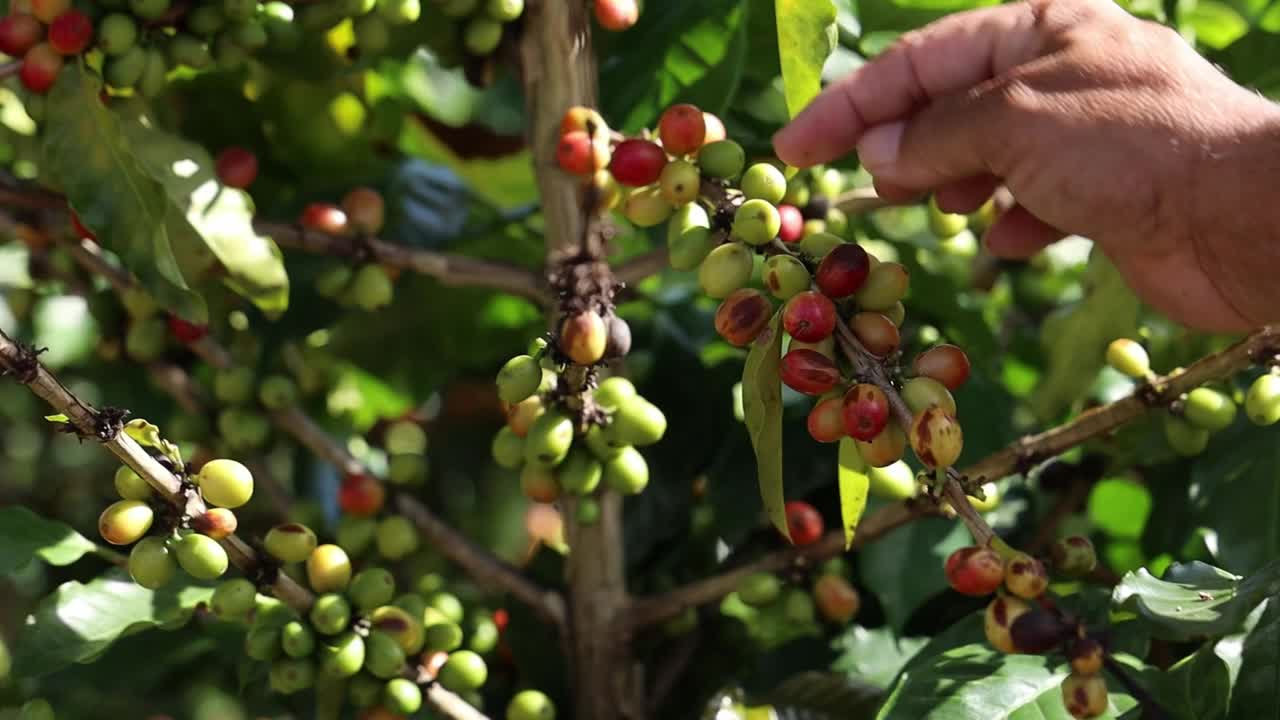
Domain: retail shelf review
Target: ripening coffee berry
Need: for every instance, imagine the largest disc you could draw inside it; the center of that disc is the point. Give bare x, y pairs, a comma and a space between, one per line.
627, 472
877, 333
1038, 632
825, 347
843, 271
70, 32
184, 331
396, 537
217, 523
520, 417
201, 556
583, 337
1074, 556
531, 704
945, 224
921, 393
886, 285
759, 589
384, 658
539, 484
742, 316
764, 181
361, 495
804, 522
233, 599
19, 32
125, 521
756, 222
936, 437
1085, 696
638, 422
999, 618
365, 210
463, 671
826, 420
548, 440
646, 207
897, 314
481, 36
975, 571
1186, 439
342, 656
1262, 402
1129, 358
727, 268
884, 449
682, 129
816, 243
1025, 576
785, 276
225, 483
578, 154
715, 130
290, 542
679, 182
507, 449
865, 411
328, 569
791, 223
584, 119
619, 343
809, 316
945, 363
837, 601
1209, 409
130, 486
330, 614
637, 163
518, 379
808, 371
40, 67
47, 10
151, 565
1086, 655
722, 159
402, 696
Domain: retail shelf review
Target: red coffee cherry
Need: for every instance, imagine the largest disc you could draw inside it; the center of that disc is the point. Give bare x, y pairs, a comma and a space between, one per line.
682, 129
866, 412
325, 217
804, 522
877, 333
71, 32
587, 120
637, 162
843, 271
40, 68
809, 316
366, 210
19, 33
792, 228
236, 167
837, 600
186, 332
578, 154
79, 228
945, 363
584, 337
361, 495
826, 420
975, 571
742, 316
809, 372
217, 523
616, 15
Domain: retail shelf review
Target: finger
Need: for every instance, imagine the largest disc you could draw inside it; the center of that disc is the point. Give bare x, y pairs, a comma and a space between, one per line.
894, 193
1017, 234
952, 54
967, 195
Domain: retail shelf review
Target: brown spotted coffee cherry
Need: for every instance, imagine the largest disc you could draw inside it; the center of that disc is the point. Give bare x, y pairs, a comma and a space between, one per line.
808, 372
945, 363
1037, 632
884, 449
999, 618
936, 437
1025, 576
742, 316
1086, 655
584, 337
1074, 556
1085, 695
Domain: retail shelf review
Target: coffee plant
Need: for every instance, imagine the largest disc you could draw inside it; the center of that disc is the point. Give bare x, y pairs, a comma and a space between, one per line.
436, 359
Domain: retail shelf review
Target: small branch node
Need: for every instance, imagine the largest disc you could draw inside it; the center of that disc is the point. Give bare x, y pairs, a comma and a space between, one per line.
109, 422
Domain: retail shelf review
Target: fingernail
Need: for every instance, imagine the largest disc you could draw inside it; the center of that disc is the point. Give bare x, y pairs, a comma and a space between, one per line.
878, 148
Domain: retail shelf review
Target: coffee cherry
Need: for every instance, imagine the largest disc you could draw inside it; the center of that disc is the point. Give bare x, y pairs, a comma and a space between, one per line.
236, 167
402, 696
945, 224
1186, 439
798, 191
578, 154
504, 10
1074, 556
19, 33
125, 521
636, 422
1129, 358
518, 379
1000, 615
598, 441
1209, 409
531, 704
680, 182
548, 440
785, 276
843, 271
217, 523
463, 671
797, 607
1085, 696
791, 223
365, 210
328, 569
290, 542
233, 599
742, 316
201, 557
396, 537
722, 159
508, 449
764, 181
646, 207
637, 163
297, 639
580, 473
539, 484
151, 565
324, 217
825, 347
189, 51
1025, 576
400, 12
584, 119
689, 237
184, 331
809, 316
361, 495
884, 449
877, 333
895, 481
233, 386
804, 522
448, 605
406, 629
826, 420
627, 473
70, 32
371, 588
117, 34
40, 68
287, 677
481, 36
226, 483
365, 691
682, 128
936, 437
443, 636
343, 656
818, 244
808, 371
837, 601
885, 286
383, 658
756, 222
945, 363
1037, 632
1262, 402
583, 337
330, 614
1086, 656
921, 393
727, 268
613, 391
715, 129
865, 411
975, 571
47, 10
759, 589
520, 417
130, 486
619, 343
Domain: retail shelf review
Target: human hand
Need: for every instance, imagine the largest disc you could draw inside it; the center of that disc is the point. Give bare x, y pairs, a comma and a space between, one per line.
1099, 124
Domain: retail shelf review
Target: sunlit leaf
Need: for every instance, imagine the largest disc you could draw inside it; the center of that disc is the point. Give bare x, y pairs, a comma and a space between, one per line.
806, 37
853, 482
25, 535
762, 406
1196, 599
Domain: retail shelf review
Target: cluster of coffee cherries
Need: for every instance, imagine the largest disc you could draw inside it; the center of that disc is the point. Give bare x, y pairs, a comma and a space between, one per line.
1022, 618
482, 21
576, 443
1195, 416
193, 544
361, 214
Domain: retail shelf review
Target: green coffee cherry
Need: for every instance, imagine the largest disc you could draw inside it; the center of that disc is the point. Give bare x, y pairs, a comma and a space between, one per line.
1262, 403
459, 8
1185, 438
797, 606
233, 599
818, 244
463, 671
124, 522
205, 20
722, 159
798, 192
402, 697
483, 636
396, 537
727, 268
290, 542
201, 557
343, 656
764, 181
372, 288
759, 589
689, 237
233, 386
588, 512
371, 588
356, 533
36, 709
921, 392
756, 222
443, 637
548, 440
508, 449
580, 473
328, 569
1129, 358
613, 391
786, 276
238, 9
637, 422
628, 473
190, 51
383, 658
151, 565
600, 445
330, 614
153, 80
518, 379
262, 643
1209, 409
225, 483
407, 469
290, 676
278, 391
886, 285
448, 605
412, 603
297, 639
837, 222
481, 36
504, 10
531, 705
944, 224
399, 12
130, 485
364, 690
117, 33
404, 628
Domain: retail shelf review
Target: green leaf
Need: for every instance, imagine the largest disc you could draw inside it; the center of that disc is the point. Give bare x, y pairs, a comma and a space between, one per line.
1216, 24
79, 621
806, 37
1239, 476
874, 656
762, 405
60, 418
87, 155
24, 535
1195, 599
143, 432
922, 546
853, 481
1254, 692
1120, 507
826, 695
